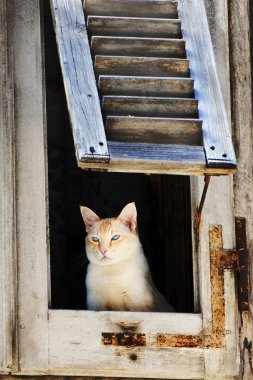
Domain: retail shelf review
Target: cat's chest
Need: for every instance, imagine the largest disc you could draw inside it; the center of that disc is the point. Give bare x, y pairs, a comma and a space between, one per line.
119, 287
122, 282
111, 277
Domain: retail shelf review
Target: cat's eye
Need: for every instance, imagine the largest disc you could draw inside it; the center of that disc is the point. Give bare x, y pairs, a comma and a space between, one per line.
95, 239
115, 237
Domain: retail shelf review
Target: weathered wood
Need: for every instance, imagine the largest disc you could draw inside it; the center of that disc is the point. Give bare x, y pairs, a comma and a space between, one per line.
25, 39
153, 153
67, 329
79, 81
218, 209
216, 132
142, 66
138, 47
153, 158
148, 106
241, 49
122, 160
217, 15
218, 25
154, 130
146, 86
128, 8
7, 201
134, 27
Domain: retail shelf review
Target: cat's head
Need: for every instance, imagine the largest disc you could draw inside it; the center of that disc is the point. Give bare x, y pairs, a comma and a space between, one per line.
110, 241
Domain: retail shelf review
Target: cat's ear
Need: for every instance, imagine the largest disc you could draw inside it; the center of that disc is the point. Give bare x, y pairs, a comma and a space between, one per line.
128, 216
89, 217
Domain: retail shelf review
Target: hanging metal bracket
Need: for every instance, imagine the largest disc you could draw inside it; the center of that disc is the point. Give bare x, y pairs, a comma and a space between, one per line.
238, 260
197, 218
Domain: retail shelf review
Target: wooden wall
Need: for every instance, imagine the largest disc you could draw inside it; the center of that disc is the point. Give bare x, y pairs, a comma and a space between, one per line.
238, 38
241, 37
237, 91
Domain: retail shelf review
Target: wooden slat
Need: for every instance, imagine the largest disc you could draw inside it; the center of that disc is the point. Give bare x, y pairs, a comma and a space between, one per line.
134, 27
30, 218
140, 8
8, 259
138, 47
148, 106
216, 130
153, 158
141, 66
146, 86
154, 130
160, 156
79, 81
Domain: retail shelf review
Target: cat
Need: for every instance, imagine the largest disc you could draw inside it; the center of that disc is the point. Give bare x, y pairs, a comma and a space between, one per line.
118, 275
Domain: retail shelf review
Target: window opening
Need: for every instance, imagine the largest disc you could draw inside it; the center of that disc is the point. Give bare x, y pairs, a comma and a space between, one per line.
163, 204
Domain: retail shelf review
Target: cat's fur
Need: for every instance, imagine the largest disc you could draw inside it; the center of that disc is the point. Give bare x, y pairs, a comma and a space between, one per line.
118, 276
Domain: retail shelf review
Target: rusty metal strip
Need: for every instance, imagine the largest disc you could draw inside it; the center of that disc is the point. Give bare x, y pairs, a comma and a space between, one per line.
217, 339
197, 218
189, 341
126, 339
243, 264
217, 288
230, 259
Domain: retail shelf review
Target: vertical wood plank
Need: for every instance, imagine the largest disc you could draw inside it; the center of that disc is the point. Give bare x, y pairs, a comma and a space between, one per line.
241, 49
79, 81
216, 130
31, 179
217, 15
219, 193
7, 191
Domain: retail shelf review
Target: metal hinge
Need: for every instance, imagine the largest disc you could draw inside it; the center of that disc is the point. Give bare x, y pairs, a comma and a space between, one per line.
238, 260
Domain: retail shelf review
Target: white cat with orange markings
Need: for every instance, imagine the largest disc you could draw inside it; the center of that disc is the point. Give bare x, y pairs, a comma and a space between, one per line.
118, 276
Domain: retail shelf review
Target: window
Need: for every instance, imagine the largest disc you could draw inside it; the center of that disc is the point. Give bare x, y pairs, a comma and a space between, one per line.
163, 204
78, 342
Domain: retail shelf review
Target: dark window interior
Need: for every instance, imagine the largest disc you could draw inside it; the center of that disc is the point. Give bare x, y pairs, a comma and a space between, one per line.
163, 204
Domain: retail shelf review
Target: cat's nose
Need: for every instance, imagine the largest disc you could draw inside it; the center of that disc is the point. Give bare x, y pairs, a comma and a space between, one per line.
103, 250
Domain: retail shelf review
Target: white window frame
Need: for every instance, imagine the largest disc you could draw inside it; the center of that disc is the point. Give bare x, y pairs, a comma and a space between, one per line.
7, 202
64, 342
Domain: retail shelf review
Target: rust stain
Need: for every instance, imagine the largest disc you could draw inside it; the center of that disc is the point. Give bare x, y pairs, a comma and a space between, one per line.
179, 341
230, 259
217, 339
128, 326
126, 339
243, 263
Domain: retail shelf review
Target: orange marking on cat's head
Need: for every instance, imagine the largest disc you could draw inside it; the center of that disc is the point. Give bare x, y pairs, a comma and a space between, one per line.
105, 226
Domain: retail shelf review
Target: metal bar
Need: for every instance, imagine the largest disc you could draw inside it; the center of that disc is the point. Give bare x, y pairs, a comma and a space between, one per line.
197, 218
243, 264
